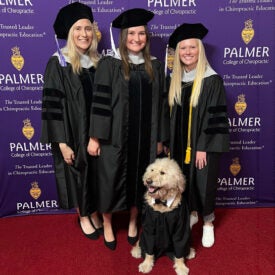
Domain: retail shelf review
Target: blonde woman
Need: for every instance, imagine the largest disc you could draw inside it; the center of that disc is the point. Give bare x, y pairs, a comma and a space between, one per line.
67, 98
199, 124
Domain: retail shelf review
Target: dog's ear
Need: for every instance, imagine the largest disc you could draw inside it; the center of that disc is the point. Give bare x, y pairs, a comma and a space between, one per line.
181, 181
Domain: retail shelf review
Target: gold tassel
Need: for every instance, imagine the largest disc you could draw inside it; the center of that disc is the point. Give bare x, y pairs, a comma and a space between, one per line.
188, 148
188, 155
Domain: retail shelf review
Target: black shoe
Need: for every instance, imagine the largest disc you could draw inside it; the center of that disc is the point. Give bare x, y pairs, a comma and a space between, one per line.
111, 245
92, 236
132, 240
100, 230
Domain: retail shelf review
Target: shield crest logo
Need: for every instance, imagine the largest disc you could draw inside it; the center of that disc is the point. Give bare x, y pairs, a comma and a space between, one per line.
35, 191
170, 58
97, 31
27, 130
235, 167
240, 105
17, 59
248, 32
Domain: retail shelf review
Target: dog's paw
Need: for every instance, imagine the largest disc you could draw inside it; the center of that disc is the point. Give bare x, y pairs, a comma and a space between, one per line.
182, 270
180, 267
136, 252
145, 267
192, 254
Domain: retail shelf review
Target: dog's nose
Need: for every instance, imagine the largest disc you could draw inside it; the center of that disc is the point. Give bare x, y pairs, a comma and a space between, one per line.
149, 181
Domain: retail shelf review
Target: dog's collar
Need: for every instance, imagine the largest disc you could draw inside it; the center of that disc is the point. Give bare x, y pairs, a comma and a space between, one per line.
168, 202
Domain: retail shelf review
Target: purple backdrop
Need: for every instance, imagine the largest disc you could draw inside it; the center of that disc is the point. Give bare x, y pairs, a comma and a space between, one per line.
240, 47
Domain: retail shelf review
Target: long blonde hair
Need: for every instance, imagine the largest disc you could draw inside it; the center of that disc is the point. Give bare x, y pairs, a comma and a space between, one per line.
74, 55
124, 54
177, 74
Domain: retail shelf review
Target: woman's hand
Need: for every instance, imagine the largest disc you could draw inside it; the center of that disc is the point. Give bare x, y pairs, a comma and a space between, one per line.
200, 159
159, 148
166, 150
67, 153
93, 147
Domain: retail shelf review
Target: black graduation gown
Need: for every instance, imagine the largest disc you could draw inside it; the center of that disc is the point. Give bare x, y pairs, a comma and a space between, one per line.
66, 105
129, 118
209, 133
166, 233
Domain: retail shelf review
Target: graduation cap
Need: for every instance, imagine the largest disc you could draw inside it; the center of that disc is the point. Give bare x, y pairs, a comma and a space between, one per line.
187, 31
132, 18
68, 15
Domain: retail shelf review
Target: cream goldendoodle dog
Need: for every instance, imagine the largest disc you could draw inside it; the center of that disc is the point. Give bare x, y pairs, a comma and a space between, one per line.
165, 219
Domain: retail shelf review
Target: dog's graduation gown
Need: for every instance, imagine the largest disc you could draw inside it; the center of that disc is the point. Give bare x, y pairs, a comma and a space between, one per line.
209, 133
65, 119
166, 233
128, 118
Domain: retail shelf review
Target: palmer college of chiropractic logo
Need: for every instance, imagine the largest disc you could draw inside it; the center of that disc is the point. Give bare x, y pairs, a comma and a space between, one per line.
35, 191
17, 59
248, 31
170, 58
27, 130
97, 31
240, 105
235, 167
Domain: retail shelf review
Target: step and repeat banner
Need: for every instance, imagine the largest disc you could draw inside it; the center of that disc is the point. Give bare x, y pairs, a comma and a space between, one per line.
239, 45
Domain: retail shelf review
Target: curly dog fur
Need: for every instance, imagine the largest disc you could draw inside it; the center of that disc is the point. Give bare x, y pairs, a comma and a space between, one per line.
165, 184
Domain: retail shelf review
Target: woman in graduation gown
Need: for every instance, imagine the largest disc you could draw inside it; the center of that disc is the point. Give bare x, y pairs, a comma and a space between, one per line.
67, 97
199, 124
129, 121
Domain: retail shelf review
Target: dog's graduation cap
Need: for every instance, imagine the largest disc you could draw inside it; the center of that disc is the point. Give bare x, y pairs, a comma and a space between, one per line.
68, 15
187, 31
